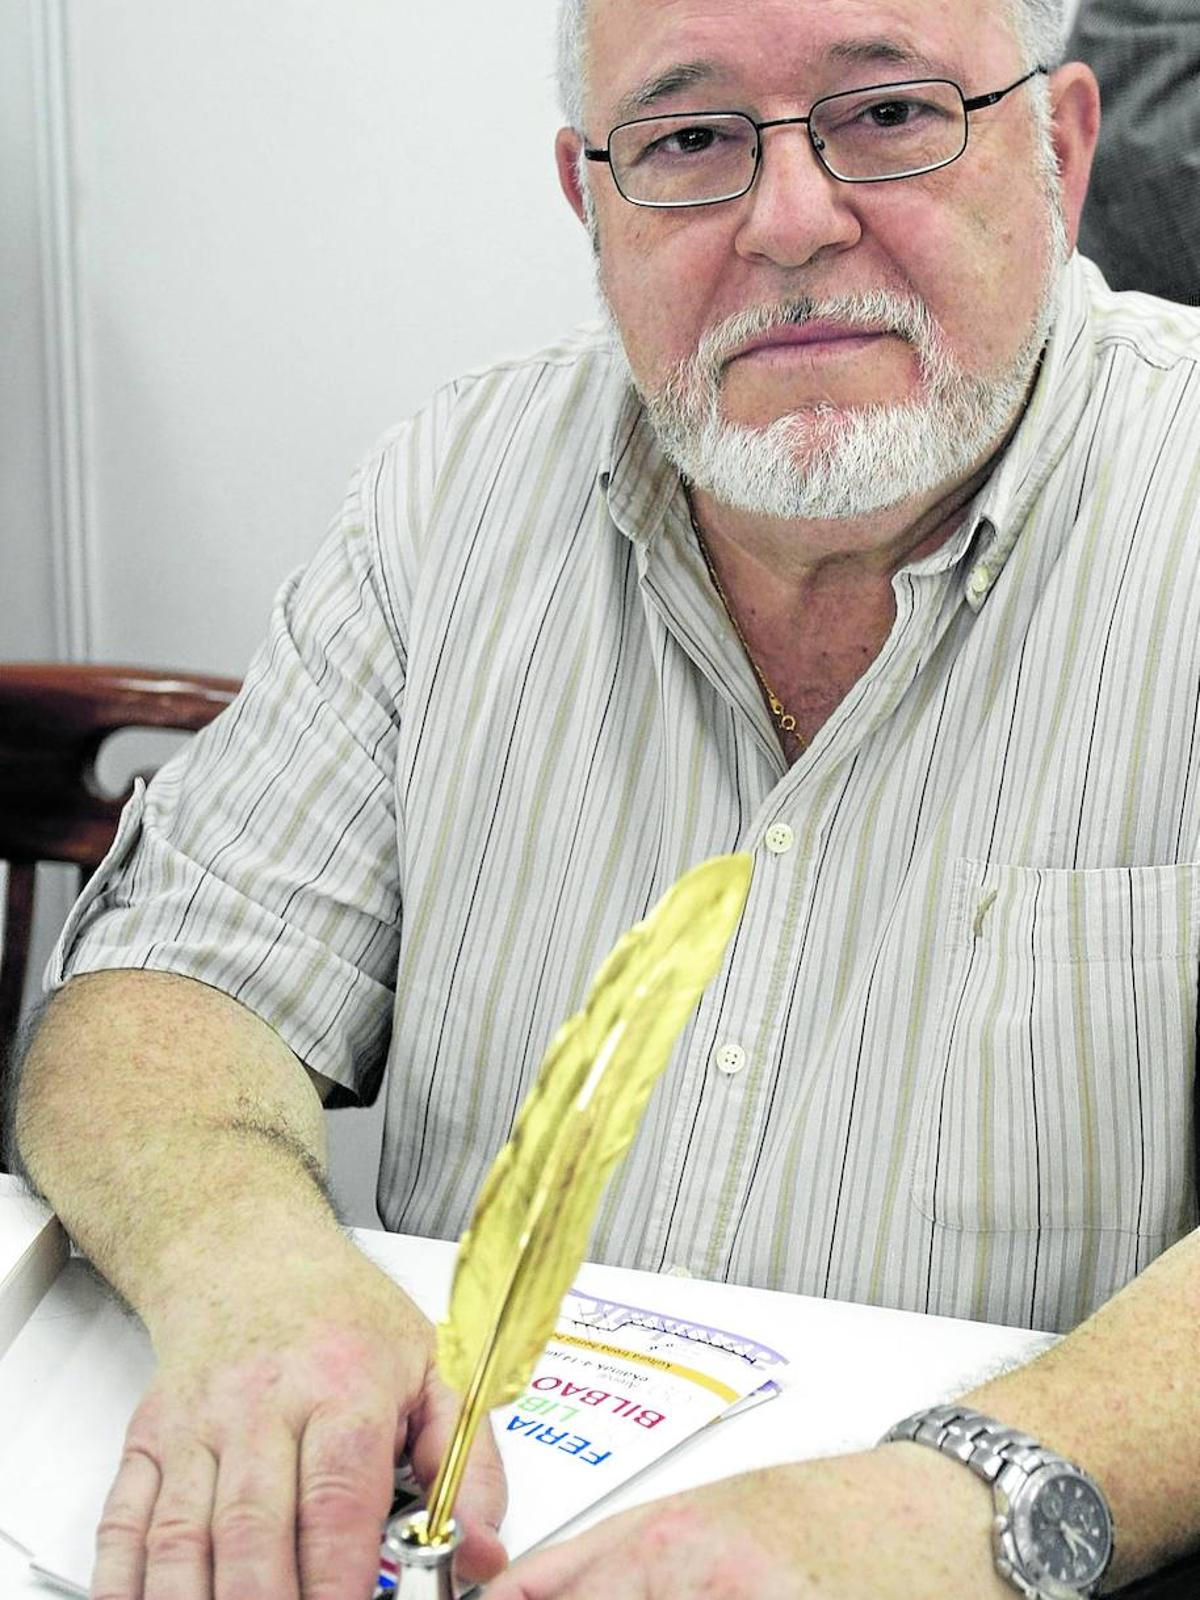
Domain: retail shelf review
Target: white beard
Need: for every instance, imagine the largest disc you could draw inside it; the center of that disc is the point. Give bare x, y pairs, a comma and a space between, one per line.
826, 462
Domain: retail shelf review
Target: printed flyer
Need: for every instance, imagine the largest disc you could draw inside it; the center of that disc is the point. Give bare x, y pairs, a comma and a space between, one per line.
616, 1390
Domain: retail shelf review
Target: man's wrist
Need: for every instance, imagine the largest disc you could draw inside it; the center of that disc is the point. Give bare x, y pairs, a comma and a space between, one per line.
942, 1516
276, 1229
1052, 1528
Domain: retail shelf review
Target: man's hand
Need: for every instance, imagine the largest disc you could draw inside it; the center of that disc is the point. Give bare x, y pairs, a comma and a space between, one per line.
260, 1461
183, 1145
898, 1523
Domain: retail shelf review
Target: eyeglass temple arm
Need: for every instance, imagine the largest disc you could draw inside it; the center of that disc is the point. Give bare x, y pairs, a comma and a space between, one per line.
982, 100
597, 155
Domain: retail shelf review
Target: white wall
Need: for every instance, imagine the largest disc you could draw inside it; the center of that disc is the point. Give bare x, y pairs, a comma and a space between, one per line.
297, 217
286, 221
29, 620
26, 626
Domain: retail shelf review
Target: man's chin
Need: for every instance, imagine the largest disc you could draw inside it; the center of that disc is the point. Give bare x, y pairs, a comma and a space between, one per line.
819, 464
806, 428
773, 397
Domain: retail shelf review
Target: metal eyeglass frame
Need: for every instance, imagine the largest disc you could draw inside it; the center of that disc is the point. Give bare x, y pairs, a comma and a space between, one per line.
976, 103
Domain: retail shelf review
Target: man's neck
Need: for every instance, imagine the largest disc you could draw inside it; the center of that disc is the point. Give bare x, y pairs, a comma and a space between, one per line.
806, 557
813, 602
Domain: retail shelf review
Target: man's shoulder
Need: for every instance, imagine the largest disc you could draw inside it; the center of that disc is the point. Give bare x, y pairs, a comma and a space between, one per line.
1163, 333
577, 367
589, 344
513, 445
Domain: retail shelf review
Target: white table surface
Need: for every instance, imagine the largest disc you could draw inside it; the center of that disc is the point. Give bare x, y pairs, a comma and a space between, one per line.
854, 1370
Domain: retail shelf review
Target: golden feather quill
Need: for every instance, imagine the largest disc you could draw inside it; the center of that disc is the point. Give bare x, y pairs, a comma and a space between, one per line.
534, 1215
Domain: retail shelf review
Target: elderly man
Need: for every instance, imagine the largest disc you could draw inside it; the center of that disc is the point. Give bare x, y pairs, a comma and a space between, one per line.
869, 546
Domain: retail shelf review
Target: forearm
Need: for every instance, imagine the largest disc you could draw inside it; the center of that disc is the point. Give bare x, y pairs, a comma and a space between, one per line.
167, 1125
1121, 1397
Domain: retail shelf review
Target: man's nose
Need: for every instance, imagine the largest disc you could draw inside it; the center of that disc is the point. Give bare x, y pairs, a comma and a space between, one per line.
795, 209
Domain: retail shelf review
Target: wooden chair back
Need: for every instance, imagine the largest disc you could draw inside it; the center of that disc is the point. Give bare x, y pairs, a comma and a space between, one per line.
54, 717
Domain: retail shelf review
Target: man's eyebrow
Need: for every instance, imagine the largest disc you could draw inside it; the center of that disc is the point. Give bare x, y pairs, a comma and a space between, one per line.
685, 75
850, 52
889, 52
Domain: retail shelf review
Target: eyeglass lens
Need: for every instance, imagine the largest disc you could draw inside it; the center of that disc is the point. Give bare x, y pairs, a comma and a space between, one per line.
865, 134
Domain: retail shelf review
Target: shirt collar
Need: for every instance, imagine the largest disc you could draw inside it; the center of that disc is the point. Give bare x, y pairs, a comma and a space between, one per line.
640, 484
638, 480
1051, 418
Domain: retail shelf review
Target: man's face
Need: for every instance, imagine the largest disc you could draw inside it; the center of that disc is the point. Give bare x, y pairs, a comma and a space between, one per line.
970, 244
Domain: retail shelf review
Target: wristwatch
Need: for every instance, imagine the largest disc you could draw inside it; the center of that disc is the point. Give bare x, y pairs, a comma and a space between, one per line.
1052, 1535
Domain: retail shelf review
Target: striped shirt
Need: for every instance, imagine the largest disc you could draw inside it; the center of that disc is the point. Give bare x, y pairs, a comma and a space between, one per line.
948, 1063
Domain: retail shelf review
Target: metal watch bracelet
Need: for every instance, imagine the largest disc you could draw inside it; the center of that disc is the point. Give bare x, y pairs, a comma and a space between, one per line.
979, 1442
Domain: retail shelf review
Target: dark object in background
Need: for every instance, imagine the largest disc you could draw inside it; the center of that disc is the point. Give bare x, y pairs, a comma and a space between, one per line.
1142, 220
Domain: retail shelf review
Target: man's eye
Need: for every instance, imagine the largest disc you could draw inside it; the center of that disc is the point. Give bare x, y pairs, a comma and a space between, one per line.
893, 113
688, 141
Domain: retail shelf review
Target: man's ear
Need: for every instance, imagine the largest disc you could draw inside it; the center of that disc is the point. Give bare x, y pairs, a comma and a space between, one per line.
567, 147
1075, 98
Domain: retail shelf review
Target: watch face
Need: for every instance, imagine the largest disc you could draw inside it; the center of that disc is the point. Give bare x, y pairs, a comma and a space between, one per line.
1062, 1530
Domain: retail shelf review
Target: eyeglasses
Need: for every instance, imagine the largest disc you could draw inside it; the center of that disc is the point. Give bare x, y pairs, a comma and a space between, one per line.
874, 135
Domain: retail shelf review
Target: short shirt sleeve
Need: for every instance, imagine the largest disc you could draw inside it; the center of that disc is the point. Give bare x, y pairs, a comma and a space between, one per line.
263, 860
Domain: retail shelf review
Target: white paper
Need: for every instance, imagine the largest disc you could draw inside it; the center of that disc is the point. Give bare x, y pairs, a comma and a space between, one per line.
53, 1502
618, 1389
33, 1248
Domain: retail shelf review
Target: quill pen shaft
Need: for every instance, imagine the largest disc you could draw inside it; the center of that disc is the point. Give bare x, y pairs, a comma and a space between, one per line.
476, 1402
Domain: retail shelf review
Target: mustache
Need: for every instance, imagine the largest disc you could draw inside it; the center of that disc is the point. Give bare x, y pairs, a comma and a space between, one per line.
873, 311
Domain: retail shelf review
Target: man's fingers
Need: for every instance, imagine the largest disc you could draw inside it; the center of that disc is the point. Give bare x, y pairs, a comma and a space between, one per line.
483, 1498
179, 1538
481, 1505
253, 1517
121, 1537
344, 1490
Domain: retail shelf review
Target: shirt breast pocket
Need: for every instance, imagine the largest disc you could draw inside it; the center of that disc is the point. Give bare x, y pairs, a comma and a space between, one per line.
1061, 1095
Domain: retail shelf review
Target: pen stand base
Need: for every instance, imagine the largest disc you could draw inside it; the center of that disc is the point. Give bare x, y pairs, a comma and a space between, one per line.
422, 1570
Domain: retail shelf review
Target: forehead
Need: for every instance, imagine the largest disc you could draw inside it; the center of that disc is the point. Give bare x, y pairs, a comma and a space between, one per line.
644, 52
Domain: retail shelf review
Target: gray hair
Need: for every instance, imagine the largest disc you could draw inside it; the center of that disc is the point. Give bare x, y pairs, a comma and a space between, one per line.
1040, 27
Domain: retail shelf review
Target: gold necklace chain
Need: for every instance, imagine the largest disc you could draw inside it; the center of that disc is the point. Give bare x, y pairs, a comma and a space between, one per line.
783, 717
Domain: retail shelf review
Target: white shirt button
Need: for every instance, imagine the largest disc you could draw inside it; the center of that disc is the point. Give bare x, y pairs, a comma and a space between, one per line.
678, 1272
729, 1059
779, 838
979, 582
